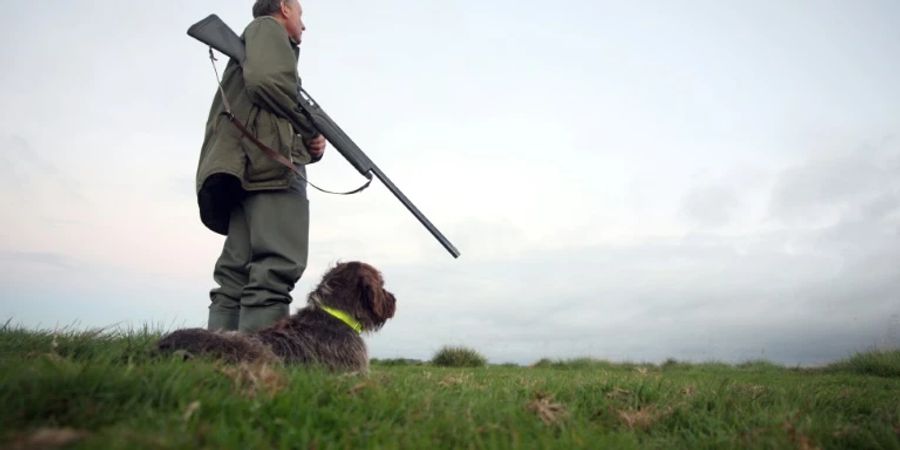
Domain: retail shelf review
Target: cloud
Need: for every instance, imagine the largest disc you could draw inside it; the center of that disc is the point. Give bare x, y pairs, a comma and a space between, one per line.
833, 186
710, 205
799, 293
53, 260
25, 172
699, 297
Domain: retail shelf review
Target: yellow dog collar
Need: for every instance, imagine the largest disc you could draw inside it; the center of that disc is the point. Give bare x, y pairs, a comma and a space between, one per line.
343, 317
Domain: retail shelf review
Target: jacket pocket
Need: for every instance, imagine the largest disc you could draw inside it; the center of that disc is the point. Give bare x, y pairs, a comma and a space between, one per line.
275, 133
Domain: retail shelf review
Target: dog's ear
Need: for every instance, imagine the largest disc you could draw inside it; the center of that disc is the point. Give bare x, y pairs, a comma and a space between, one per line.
389, 306
373, 296
370, 296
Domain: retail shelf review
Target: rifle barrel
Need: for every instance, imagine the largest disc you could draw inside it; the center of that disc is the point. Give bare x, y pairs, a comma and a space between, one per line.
415, 211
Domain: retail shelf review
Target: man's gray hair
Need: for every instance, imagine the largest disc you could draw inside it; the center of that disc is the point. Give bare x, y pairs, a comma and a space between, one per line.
268, 7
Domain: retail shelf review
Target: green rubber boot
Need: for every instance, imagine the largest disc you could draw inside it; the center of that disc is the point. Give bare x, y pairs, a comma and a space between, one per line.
253, 318
224, 313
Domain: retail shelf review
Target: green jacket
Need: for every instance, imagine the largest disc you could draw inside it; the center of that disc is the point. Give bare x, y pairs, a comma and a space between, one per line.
263, 95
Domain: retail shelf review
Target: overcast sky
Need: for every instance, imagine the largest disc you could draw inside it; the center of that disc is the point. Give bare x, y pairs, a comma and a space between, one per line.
625, 180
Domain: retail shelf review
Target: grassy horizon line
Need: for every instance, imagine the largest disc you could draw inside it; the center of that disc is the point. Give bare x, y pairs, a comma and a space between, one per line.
878, 362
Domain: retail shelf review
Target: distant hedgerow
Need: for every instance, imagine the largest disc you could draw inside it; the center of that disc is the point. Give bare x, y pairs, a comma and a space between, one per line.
395, 362
585, 363
879, 363
458, 357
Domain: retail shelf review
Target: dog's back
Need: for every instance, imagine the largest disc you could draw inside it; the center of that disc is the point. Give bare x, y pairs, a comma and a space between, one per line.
227, 346
313, 337
308, 337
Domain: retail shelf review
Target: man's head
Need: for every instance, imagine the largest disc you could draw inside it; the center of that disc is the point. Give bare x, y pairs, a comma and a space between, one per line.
287, 12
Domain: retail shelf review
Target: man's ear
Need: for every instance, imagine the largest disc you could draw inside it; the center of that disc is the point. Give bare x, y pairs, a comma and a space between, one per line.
285, 7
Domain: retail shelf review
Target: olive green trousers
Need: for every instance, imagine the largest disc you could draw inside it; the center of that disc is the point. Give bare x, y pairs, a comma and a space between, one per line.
264, 255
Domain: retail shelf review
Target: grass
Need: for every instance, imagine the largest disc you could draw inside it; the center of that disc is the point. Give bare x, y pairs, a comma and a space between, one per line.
878, 363
96, 390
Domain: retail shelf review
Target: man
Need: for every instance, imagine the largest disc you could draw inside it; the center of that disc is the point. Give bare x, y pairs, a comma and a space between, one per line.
258, 203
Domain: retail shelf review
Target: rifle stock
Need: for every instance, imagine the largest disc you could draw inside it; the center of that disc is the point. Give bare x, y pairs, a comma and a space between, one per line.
213, 32
216, 34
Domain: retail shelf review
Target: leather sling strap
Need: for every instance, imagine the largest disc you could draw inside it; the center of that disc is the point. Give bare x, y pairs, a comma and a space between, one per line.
283, 160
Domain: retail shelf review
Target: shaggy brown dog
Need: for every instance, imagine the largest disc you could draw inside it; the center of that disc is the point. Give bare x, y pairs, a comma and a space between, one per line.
313, 335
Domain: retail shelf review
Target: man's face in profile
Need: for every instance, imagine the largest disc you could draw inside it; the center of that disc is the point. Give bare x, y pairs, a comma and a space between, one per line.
293, 13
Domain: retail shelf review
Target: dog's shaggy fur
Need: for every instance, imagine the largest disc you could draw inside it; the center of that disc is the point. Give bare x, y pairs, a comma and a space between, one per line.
311, 335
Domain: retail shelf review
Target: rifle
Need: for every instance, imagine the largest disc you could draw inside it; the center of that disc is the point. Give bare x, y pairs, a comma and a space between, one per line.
213, 32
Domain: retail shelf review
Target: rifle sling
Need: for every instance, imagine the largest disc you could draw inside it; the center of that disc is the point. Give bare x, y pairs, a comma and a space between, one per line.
278, 157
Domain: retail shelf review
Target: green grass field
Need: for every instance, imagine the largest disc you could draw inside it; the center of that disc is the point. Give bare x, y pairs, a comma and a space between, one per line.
92, 390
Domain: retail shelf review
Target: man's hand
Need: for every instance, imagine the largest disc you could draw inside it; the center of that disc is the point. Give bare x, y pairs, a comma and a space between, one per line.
316, 147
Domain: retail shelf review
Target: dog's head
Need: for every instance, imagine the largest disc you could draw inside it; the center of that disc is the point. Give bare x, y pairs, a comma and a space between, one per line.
358, 289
